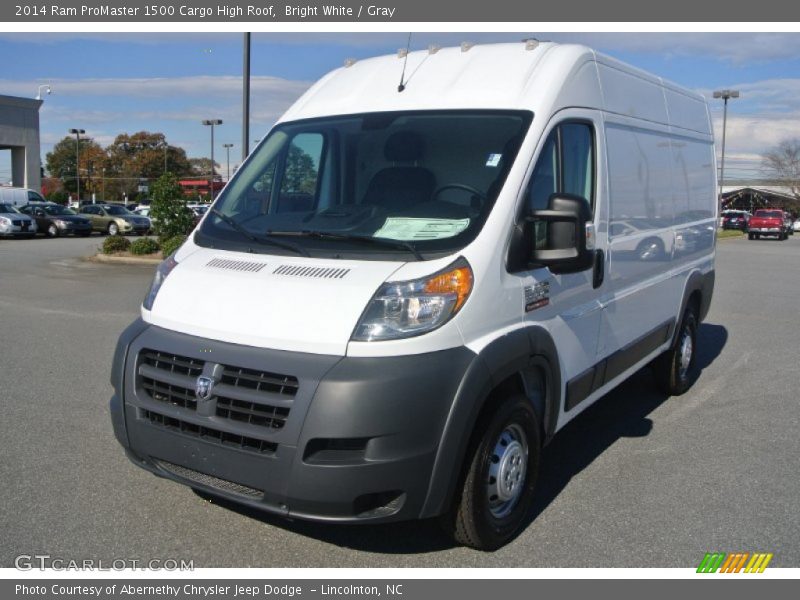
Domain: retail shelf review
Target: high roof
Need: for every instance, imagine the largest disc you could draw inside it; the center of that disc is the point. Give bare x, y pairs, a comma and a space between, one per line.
542, 77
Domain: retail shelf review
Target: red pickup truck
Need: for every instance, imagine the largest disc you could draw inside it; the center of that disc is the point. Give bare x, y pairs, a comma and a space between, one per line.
767, 221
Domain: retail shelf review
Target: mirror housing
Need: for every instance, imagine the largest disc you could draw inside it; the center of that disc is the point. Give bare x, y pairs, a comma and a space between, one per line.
569, 246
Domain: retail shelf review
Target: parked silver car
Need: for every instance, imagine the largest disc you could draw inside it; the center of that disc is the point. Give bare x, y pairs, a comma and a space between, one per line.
14, 224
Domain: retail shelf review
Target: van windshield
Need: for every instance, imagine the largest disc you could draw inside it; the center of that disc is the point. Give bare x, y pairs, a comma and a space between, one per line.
365, 186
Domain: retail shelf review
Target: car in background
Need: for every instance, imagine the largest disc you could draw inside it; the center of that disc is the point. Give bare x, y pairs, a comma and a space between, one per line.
796, 225
19, 196
15, 224
735, 219
767, 221
55, 220
115, 219
787, 222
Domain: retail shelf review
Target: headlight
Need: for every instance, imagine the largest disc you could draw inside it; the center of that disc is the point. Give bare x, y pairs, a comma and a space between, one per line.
5, 221
164, 269
405, 309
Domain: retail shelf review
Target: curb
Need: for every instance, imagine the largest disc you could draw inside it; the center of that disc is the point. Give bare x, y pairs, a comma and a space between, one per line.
123, 260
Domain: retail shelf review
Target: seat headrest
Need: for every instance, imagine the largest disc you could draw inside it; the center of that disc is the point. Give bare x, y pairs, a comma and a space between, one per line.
403, 146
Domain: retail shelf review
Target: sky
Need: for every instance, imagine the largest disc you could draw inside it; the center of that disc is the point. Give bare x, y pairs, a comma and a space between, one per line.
119, 82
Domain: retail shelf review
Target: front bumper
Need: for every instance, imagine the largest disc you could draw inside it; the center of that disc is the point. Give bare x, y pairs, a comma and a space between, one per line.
356, 442
18, 230
69, 227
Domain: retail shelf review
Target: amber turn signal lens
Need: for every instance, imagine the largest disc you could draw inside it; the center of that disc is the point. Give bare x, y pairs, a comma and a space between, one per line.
457, 281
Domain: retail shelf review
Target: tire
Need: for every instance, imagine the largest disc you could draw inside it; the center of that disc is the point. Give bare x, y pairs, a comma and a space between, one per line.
52, 231
675, 370
506, 446
113, 229
751, 236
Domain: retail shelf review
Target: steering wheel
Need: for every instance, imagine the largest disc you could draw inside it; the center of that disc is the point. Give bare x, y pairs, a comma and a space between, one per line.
464, 188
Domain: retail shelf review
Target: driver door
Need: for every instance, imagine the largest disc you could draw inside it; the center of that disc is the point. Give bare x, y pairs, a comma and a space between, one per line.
567, 304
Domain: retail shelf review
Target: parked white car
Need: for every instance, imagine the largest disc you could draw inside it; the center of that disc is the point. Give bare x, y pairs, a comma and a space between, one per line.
796, 225
406, 291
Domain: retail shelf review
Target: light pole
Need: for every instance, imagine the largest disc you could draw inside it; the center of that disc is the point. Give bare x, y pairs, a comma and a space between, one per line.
212, 123
725, 95
43, 87
78, 133
228, 150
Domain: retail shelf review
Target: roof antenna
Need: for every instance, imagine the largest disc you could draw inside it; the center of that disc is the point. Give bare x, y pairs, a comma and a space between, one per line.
402, 85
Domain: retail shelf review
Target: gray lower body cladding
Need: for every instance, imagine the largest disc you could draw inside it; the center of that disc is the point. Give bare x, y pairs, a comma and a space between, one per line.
302, 435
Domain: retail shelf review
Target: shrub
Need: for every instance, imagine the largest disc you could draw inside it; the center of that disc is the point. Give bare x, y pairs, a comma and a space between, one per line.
115, 243
144, 246
168, 208
169, 246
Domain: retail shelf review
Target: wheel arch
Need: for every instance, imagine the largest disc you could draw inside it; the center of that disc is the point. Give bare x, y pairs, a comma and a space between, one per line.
699, 289
517, 361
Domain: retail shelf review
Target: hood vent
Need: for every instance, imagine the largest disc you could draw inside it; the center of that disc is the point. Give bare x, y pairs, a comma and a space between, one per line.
236, 265
317, 272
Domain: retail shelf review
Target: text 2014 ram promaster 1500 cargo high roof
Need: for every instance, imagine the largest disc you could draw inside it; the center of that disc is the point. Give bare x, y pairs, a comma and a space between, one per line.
410, 287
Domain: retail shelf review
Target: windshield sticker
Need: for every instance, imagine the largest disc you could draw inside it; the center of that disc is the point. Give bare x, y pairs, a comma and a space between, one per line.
493, 160
402, 228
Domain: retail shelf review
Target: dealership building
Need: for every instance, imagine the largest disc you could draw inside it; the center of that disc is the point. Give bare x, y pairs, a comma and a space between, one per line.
19, 132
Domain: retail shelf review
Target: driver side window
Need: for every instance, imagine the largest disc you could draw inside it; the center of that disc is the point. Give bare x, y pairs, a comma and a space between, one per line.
566, 166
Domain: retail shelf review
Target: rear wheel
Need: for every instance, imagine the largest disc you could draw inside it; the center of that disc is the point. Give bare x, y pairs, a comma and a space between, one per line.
675, 369
751, 236
498, 488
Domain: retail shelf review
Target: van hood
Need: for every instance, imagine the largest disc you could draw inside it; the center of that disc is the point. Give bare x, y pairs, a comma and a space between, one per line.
279, 302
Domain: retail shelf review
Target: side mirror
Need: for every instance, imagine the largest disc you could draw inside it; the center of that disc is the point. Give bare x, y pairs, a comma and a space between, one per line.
563, 234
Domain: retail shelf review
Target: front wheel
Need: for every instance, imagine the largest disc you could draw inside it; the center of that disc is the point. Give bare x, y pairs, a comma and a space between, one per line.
113, 229
52, 230
675, 369
498, 490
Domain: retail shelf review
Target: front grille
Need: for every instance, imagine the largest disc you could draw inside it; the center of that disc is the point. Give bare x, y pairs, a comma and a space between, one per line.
16, 222
263, 415
208, 434
173, 363
260, 381
171, 394
242, 395
209, 480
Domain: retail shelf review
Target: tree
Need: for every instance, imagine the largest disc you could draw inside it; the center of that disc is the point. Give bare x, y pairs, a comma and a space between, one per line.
140, 157
201, 167
60, 163
168, 208
783, 163
300, 175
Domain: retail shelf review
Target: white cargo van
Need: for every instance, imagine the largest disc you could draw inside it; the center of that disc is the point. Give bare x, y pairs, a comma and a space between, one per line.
19, 196
407, 289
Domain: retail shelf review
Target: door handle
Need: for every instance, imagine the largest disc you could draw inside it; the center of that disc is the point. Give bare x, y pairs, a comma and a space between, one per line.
599, 271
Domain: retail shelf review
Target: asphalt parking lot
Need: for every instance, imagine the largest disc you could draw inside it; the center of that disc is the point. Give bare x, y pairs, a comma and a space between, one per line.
639, 480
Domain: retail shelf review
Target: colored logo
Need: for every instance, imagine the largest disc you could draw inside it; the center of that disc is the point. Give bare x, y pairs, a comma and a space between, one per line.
737, 562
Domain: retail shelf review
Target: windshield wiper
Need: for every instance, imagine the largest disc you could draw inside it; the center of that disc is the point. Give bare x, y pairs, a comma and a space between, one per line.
349, 237
255, 238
